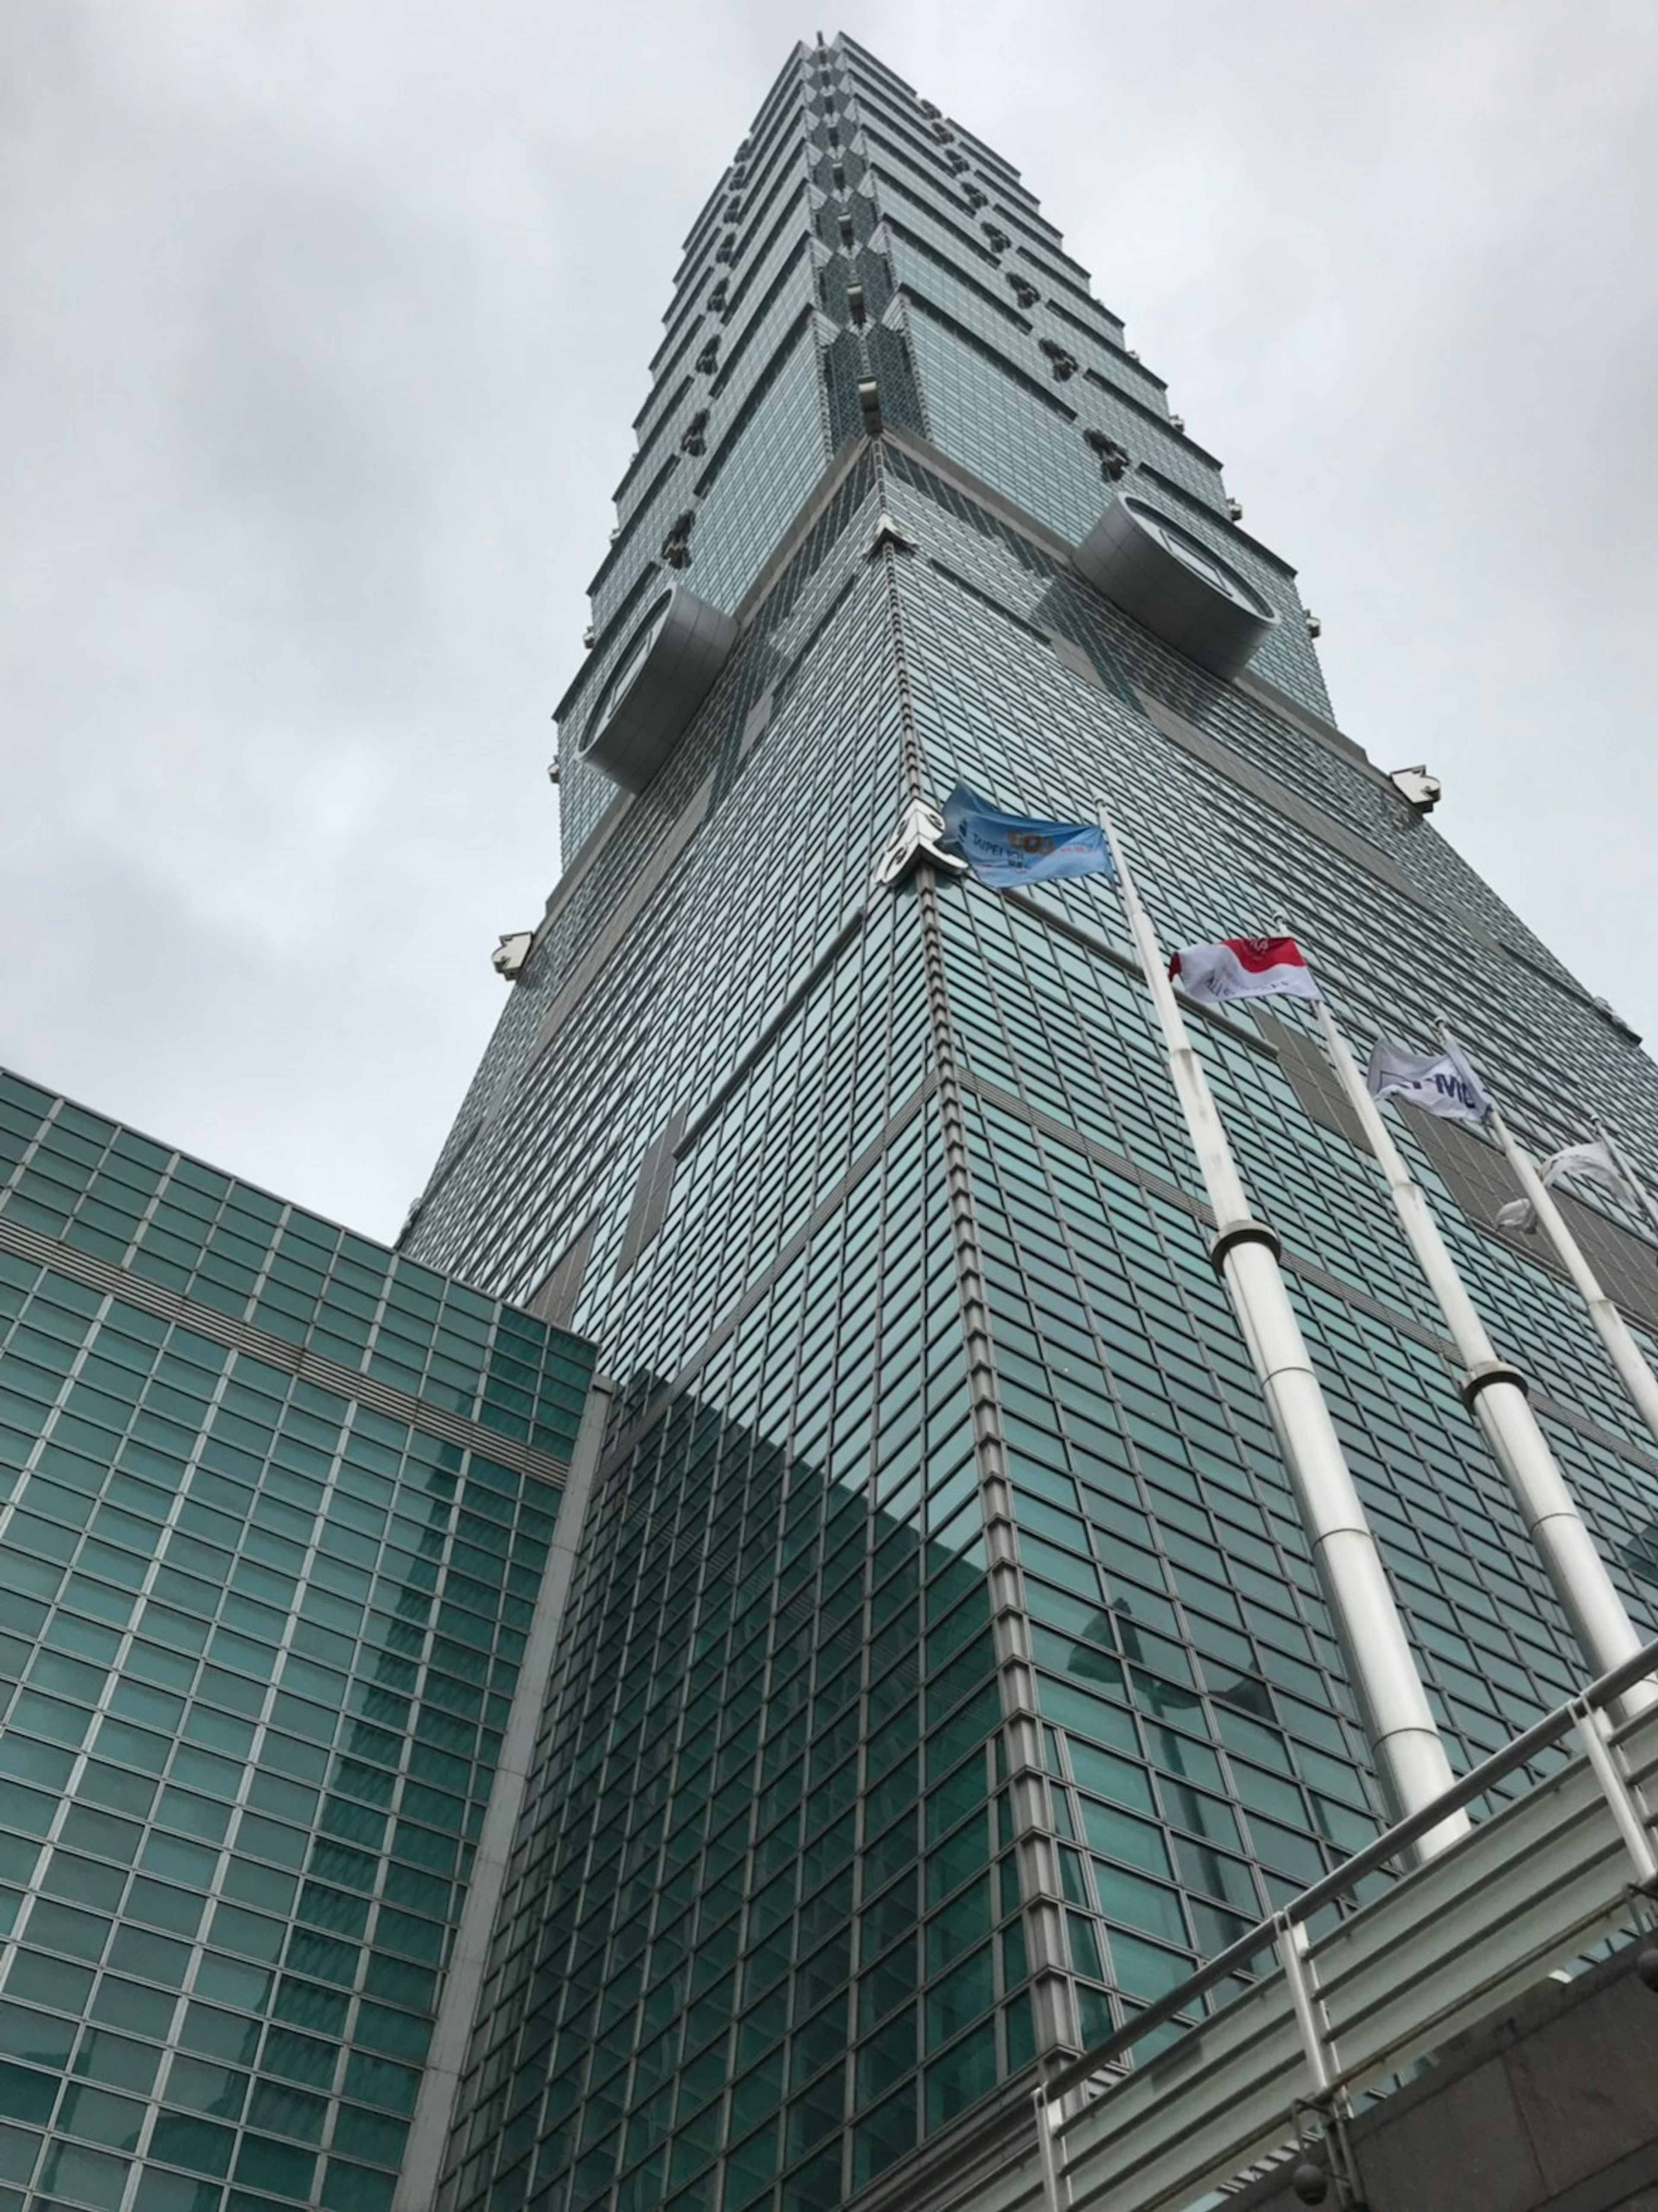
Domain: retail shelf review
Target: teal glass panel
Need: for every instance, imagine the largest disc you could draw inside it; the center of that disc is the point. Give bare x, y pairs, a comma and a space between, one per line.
193, 1491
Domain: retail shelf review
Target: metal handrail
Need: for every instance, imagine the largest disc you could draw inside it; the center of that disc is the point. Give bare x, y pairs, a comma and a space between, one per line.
1386, 1846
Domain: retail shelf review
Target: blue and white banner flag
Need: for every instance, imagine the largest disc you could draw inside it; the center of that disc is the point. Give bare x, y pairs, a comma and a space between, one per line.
1440, 1082
1004, 850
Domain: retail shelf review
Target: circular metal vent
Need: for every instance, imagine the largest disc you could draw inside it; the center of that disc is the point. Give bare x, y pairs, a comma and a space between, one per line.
1144, 562
665, 672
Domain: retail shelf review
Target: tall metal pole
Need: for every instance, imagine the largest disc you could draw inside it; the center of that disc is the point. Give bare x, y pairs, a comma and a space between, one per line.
1610, 1326
1410, 1757
1495, 1392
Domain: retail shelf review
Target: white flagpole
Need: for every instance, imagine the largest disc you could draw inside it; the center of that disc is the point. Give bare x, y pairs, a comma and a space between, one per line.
1410, 1757
1495, 1392
1611, 1328
1649, 1203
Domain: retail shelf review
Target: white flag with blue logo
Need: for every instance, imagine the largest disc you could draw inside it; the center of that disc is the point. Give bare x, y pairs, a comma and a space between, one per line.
1004, 850
1440, 1083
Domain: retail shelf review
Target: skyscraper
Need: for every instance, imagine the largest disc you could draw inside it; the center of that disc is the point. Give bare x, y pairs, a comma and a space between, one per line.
946, 1670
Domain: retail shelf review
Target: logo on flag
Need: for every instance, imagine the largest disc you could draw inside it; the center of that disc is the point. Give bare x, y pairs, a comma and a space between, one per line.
1004, 850
1440, 1083
1243, 968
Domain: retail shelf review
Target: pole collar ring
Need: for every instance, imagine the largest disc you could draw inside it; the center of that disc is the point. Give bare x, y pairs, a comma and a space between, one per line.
1489, 1371
1246, 1231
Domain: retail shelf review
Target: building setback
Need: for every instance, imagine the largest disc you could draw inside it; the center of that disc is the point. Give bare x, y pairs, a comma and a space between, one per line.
279, 1516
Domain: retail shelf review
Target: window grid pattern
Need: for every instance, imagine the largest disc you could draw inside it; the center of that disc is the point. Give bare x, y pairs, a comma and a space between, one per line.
656, 2029
784, 1613
639, 543
1113, 364
920, 179
185, 1227
779, 172
779, 451
748, 354
640, 481
1368, 802
1040, 1047
919, 272
976, 428
671, 375
1286, 657
948, 230
816, 1102
1186, 837
998, 422
258, 1645
1071, 280
1106, 330
1140, 434
921, 158
1034, 589
749, 297
741, 942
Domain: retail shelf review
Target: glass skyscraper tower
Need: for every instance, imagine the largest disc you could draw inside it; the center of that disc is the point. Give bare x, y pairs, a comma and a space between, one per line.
944, 1673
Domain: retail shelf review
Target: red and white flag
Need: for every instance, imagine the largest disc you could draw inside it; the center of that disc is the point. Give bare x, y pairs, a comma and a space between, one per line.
1243, 968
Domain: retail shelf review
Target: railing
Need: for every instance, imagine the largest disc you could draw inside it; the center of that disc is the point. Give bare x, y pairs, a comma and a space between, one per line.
1535, 1886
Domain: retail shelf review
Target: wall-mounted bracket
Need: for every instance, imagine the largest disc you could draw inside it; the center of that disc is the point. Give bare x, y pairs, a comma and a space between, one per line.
1420, 791
510, 954
916, 838
888, 532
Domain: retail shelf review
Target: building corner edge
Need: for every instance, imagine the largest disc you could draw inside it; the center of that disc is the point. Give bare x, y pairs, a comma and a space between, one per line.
428, 2133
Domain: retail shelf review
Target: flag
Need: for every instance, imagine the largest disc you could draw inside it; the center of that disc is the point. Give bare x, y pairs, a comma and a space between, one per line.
1586, 1162
1006, 849
1440, 1082
1243, 968
1591, 1164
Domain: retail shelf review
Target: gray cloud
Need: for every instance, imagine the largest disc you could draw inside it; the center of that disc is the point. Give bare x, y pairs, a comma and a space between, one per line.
320, 330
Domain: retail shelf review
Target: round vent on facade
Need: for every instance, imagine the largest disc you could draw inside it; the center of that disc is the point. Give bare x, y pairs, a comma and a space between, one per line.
1145, 563
665, 672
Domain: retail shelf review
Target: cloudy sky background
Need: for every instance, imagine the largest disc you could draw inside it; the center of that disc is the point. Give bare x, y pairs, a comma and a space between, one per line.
321, 328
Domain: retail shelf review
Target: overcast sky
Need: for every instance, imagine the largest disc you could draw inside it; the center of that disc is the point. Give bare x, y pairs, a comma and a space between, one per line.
322, 324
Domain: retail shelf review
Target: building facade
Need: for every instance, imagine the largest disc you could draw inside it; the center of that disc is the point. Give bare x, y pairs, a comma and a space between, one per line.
278, 1520
875, 1197
434, 1781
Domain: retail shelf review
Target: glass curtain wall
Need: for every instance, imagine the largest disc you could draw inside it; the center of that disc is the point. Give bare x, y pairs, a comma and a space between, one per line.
275, 1506
870, 1193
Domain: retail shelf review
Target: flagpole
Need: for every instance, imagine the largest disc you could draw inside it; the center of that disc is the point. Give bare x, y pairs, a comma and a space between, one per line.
1649, 1203
1496, 1393
1410, 1757
1610, 1326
